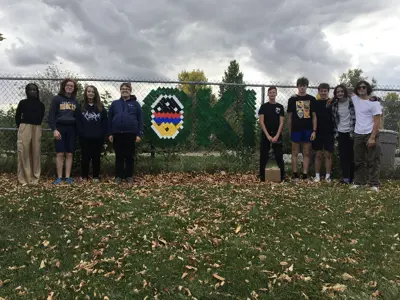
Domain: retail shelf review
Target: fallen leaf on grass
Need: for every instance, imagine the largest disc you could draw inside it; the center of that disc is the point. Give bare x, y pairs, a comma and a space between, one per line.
1, 283
262, 257
188, 291
218, 277
335, 288
376, 293
191, 268
184, 275
373, 284
50, 296
42, 264
238, 229
285, 277
162, 241
16, 268
46, 243
283, 263
347, 276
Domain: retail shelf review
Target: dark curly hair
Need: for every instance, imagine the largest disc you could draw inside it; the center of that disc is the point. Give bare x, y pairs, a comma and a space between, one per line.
64, 83
369, 87
344, 88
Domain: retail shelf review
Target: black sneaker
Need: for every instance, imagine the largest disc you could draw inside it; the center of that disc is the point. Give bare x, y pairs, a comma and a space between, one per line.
304, 176
118, 180
129, 180
295, 177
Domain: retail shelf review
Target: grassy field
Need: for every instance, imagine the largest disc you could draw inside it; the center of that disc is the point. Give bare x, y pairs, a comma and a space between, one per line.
198, 236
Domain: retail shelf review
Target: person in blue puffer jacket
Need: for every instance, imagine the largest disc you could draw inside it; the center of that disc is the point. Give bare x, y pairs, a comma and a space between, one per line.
125, 126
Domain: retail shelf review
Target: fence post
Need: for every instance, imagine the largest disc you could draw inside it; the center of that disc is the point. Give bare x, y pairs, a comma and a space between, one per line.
263, 94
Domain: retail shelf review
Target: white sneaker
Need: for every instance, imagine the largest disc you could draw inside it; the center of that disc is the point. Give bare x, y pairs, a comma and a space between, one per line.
374, 189
328, 178
317, 178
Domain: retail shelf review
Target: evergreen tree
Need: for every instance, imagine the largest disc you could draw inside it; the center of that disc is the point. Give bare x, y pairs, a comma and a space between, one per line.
232, 75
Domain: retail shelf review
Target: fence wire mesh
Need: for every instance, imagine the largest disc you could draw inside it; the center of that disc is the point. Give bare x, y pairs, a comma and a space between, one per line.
217, 117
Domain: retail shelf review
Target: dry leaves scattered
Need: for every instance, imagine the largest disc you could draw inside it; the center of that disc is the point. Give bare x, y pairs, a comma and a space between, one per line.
198, 235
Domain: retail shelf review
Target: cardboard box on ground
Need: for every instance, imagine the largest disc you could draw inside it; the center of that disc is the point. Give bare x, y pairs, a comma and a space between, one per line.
273, 174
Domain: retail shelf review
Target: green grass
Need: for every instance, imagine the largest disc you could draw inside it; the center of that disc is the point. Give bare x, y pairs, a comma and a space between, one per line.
148, 165
167, 235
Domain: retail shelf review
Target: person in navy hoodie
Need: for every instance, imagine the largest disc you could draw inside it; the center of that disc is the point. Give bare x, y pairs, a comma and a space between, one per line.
62, 121
92, 129
125, 119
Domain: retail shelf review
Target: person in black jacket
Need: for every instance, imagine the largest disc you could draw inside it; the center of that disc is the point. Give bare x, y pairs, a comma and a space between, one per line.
28, 118
62, 120
125, 119
92, 129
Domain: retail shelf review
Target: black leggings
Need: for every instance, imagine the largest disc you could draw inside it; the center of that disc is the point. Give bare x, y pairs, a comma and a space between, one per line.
91, 151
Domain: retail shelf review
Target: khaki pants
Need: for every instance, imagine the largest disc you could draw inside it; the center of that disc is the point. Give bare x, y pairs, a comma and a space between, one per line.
28, 146
367, 161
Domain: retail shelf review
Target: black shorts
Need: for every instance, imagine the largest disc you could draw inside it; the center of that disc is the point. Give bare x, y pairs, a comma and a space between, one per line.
67, 144
324, 142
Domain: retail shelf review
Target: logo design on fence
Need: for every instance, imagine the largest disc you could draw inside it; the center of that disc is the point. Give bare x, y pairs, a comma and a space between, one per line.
167, 116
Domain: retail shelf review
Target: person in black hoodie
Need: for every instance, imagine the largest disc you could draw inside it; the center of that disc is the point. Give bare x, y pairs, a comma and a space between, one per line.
62, 120
28, 118
125, 119
92, 129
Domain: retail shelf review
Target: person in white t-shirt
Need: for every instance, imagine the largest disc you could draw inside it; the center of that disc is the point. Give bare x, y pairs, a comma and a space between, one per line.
366, 140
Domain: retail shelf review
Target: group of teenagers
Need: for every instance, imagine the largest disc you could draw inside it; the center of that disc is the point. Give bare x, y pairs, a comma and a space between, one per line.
352, 117
71, 120
353, 120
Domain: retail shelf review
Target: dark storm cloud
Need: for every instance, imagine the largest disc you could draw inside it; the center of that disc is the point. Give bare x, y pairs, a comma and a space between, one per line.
146, 39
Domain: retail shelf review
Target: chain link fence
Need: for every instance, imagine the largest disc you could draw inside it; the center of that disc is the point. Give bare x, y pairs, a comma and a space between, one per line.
218, 119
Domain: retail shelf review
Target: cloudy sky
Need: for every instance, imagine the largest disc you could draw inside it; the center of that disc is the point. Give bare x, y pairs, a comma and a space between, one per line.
273, 40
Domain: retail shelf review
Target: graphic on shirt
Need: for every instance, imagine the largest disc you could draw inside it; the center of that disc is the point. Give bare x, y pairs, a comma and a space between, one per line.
303, 109
67, 106
91, 116
277, 110
167, 116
